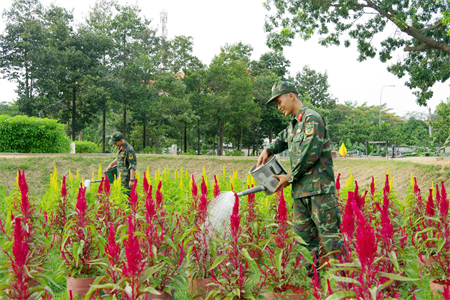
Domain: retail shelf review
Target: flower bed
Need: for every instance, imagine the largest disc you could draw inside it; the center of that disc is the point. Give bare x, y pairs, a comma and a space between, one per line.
160, 237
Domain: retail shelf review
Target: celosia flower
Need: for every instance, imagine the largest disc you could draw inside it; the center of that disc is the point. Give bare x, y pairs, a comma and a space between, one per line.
203, 187
25, 206
366, 243
111, 248
150, 210
216, 187
159, 196
282, 210
100, 187
194, 189
107, 186
81, 207
133, 266
430, 205
386, 185
416, 186
203, 208
372, 187
444, 202
145, 185
20, 248
387, 229
134, 197
338, 183
63, 188
235, 219
438, 197
360, 201
251, 204
348, 219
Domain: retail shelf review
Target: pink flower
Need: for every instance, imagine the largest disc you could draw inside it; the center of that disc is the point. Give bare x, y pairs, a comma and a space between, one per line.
366, 243
444, 202
387, 229
20, 247
338, 183
25, 206
111, 248
430, 205
159, 196
372, 187
282, 210
194, 189
438, 197
133, 267
235, 219
107, 186
360, 201
64, 188
100, 187
150, 210
416, 187
134, 197
203, 187
203, 208
251, 205
145, 185
386, 185
216, 187
348, 218
81, 207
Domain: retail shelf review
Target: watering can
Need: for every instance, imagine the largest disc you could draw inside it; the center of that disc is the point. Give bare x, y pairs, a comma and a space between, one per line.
263, 177
111, 174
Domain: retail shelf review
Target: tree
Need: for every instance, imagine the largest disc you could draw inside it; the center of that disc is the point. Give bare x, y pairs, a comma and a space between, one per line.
274, 62
424, 39
11, 109
441, 126
316, 85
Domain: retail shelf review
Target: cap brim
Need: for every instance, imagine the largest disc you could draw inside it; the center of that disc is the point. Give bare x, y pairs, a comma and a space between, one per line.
111, 142
272, 99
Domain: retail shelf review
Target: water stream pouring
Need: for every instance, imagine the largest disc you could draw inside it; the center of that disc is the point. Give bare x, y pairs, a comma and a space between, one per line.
263, 177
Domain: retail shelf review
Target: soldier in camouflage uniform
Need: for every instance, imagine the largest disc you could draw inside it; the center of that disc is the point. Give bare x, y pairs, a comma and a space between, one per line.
316, 213
126, 161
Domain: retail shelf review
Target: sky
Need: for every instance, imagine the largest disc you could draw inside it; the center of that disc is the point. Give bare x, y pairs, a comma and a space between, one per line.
213, 23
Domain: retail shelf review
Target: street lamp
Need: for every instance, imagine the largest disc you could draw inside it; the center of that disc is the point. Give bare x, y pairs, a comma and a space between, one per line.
381, 94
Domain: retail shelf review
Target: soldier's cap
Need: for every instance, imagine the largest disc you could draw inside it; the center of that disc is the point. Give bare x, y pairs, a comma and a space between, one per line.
280, 88
115, 137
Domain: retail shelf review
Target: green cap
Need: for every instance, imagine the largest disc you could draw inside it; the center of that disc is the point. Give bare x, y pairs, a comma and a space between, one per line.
280, 88
115, 137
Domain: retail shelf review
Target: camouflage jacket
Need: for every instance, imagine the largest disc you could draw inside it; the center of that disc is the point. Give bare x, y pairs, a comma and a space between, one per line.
126, 160
309, 147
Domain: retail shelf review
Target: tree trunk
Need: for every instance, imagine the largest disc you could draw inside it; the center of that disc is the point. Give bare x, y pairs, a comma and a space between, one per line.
218, 138
270, 135
143, 139
74, 96
185, 137
240, 140
222, 129
124, 125
104, 130
80, 135
257, 140
198, 139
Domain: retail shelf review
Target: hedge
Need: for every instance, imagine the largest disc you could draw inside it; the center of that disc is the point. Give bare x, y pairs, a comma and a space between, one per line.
86, 147
22, 134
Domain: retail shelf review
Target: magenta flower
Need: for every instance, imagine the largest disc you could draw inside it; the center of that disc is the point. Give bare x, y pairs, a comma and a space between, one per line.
386, 185
416, 186
282, 210
150, 210
360, 201
134, 265
145, 185
216, 187
203, 208
111, 248
107, 186
81, 207
194, 189
430, 205
348, 219
159, 196
20, 248
338, 183
235, 219
366, 243
438, 198
372, 187
134, 203
203, 187
251, 206
100, 187
64, 188
444, 203
25, 206
387, 229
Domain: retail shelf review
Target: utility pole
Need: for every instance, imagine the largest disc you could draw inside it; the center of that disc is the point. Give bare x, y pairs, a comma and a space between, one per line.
163, 20
429, 121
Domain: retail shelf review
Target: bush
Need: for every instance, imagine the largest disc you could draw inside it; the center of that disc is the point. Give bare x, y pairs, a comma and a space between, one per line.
234, 153
22, 134
86, 147
189, 152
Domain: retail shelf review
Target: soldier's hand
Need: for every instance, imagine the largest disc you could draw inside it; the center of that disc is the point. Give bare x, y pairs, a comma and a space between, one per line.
263, 158
283, 182
108, 168
130, 184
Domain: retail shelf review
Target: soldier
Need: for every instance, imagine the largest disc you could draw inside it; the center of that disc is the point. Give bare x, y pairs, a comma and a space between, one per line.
316, 213
126, 161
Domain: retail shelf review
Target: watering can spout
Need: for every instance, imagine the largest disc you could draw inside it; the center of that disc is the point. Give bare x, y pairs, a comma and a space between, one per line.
256, 189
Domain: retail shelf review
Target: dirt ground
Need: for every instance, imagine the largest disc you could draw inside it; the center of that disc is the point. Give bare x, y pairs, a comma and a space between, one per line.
38, 168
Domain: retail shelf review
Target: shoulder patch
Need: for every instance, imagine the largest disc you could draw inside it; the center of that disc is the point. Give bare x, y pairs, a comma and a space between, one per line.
309, 128
130, 156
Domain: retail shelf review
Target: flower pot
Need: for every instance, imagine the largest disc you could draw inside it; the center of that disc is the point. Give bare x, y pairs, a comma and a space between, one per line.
79, 286
199, 288
437, 287
163, 296
302, 294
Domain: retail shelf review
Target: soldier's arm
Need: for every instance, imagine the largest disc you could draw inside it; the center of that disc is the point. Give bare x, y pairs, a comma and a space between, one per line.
280, 144
112, 164
310, 149
132, 160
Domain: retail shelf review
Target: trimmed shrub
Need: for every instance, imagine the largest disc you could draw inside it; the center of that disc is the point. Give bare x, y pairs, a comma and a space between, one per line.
22, 134
86, 147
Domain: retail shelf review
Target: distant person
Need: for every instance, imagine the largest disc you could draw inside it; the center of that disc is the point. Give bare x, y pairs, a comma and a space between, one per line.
126, 161
316, 212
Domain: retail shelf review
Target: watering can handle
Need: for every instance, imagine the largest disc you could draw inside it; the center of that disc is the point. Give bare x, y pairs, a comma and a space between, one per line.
273, 171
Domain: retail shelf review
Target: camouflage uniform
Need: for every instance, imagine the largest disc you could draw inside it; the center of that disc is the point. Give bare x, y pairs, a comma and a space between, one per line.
126, 160
316, 213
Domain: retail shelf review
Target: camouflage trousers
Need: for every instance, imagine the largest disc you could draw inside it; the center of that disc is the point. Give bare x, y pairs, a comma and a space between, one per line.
317, 219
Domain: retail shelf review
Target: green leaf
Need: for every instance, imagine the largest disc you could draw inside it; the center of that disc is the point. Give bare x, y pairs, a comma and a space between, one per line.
306, 254
75, 252
345, 279
396, 277
218, 261
342, 295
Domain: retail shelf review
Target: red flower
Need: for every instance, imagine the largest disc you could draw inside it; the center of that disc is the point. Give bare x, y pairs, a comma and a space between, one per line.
282, 210
387, 229
133, 266
235, 219
100, 187
386, 185
360, 201
430, 205
338, 183
81, 207
366, 243
134, 197
25, 206
145, 185
444, 202
372, 187
107, 186
159, 196
64, 188
203, 187
20, 247
348, 218
111, 248
216, 187
416, 186
203, 208
150, 210
194, 189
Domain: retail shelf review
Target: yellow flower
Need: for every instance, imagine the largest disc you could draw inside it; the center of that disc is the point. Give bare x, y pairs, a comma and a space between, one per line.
224, 173
148, 175
249, 180
100, 171
78, 175
93, 175
388, 171
391, 183
349, 182
70, 176
412, 180
181, 184
176, 174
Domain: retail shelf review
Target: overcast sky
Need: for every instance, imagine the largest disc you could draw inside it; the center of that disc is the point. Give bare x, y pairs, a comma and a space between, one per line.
212, 23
